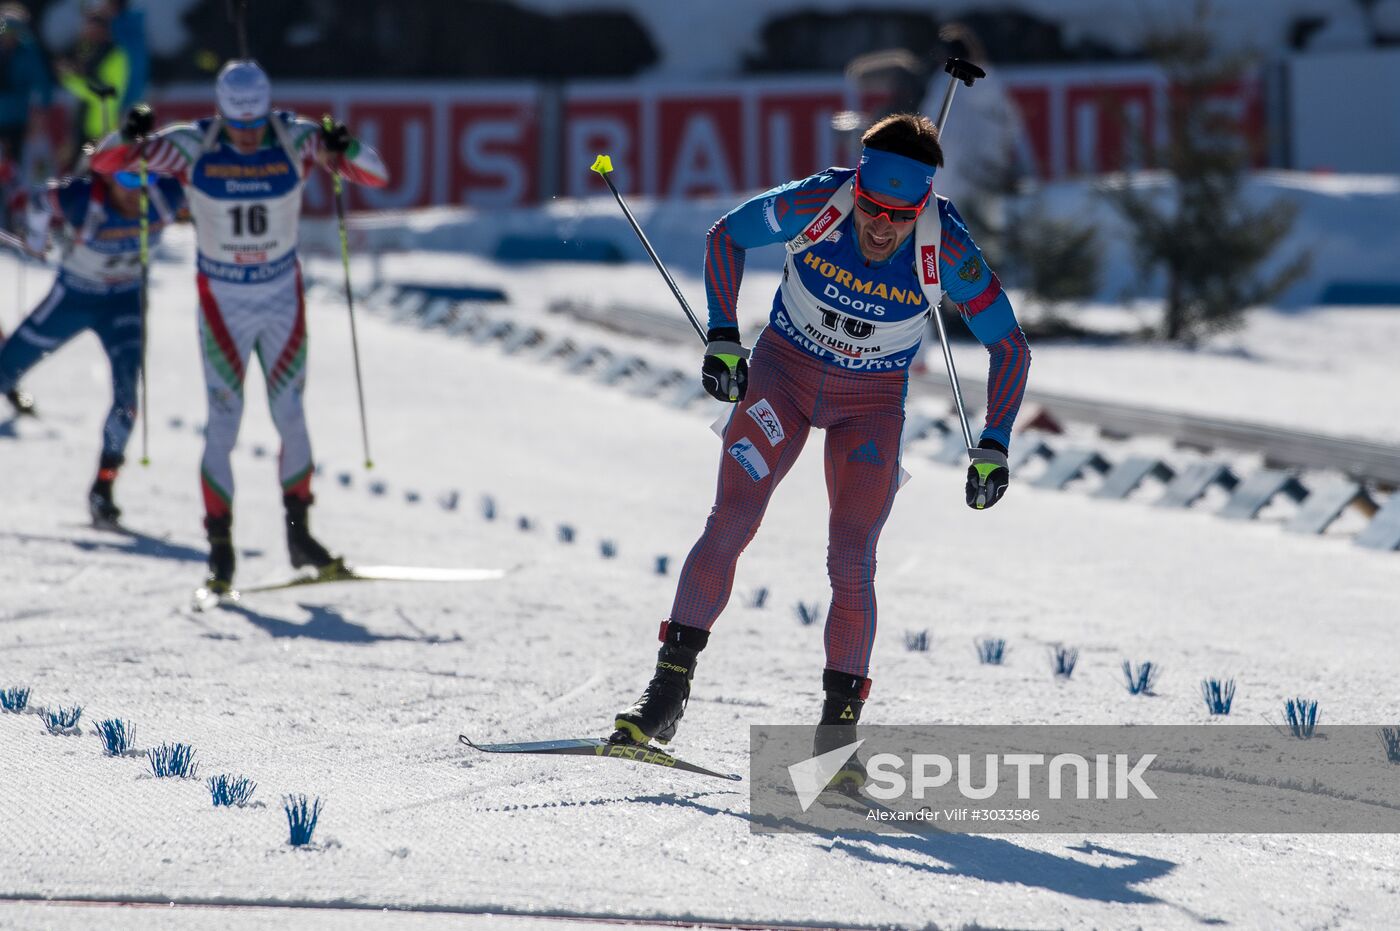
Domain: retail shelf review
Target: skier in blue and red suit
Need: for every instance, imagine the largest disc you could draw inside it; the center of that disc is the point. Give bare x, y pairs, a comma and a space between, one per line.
870, 251
98, 288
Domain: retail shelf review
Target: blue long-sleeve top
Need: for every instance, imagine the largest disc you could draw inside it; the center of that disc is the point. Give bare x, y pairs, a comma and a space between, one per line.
781, 214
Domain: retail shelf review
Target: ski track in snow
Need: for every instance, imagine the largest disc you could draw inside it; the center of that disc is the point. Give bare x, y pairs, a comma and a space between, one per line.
356, 693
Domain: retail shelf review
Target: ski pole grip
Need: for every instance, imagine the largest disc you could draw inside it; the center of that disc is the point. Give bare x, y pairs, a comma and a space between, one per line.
964, 71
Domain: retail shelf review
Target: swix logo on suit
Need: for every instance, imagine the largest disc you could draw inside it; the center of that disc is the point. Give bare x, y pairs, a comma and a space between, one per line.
835, 306
928, 263
828, 216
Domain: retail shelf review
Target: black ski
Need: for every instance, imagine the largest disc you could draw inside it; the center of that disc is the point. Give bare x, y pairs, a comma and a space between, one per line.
601, 747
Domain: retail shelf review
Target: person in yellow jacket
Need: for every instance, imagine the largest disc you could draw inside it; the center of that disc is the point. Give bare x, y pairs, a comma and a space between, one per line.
97, 75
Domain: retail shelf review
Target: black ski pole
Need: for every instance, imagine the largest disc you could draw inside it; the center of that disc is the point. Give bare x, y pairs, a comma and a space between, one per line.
350, 302
238, 15
967, 72
603, 165
145, 242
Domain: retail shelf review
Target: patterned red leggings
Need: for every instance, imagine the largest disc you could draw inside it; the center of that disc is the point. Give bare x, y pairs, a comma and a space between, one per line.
863, 414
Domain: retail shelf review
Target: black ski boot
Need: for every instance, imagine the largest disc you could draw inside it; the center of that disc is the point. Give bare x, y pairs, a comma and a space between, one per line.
845, 697
103, 509
22, 402
220, 531
302, 547
656, 713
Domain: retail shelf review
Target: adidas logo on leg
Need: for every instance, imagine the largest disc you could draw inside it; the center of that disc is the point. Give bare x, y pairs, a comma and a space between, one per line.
867, 453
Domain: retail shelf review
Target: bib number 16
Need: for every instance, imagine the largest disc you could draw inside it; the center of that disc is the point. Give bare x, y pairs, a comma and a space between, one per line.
249, 219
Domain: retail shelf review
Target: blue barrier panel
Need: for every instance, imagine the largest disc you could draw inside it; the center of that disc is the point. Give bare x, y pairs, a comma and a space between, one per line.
586, 358
521, 339
516, 248
659, 380
1124, 478
1068, 465
465, 318
622, 368
1358, 293
918, 426
437, 310
1256, 491
1383, 532
1188, 487
688, 393
561, 348
498, 329
952, 451
451, 292
1025, 449
1325, 505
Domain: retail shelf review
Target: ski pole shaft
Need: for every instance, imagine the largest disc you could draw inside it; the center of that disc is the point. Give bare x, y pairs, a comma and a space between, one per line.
105, 93
958, 70
603, 166
145, 281
350, 303
953, 376
19, 245
238, 15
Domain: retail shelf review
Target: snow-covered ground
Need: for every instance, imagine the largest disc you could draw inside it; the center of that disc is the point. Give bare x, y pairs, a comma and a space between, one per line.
356, 693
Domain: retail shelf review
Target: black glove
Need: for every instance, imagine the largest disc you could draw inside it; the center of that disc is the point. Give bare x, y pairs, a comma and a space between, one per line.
987, 476
139, 122
335, 137
725, 372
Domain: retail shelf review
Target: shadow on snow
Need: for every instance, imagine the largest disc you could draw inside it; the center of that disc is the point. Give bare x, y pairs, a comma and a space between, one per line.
127, 543
990, 859
328, 625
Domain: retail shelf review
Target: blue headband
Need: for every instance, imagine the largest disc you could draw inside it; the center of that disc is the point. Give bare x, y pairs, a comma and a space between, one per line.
883, 172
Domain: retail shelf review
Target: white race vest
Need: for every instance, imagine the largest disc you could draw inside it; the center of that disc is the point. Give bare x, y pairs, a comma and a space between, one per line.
841, 319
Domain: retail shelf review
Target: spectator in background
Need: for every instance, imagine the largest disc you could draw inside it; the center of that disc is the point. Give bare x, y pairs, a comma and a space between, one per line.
98, 75
26, 88
129, 32
987, 152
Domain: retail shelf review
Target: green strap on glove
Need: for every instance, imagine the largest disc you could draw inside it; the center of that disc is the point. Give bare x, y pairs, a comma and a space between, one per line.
725, 371
987, 476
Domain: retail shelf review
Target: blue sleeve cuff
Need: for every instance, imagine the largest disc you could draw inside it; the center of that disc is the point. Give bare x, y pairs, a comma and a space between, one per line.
1001, 436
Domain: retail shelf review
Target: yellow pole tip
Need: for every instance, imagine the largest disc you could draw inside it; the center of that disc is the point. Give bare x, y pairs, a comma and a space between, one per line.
602, 164
145, 460
369, 463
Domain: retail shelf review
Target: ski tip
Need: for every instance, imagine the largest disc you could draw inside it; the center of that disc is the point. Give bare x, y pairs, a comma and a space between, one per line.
463, 738
602, 164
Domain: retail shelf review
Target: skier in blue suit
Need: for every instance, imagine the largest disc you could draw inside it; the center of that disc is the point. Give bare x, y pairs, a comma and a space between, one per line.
97, 288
